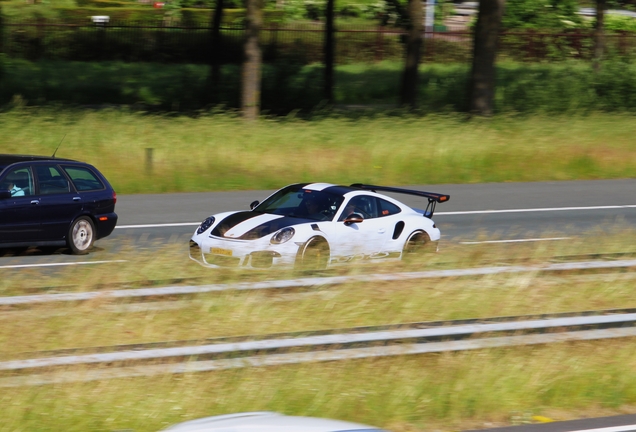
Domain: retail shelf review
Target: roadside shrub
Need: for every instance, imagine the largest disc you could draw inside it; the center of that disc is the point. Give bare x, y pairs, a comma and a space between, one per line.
620, 23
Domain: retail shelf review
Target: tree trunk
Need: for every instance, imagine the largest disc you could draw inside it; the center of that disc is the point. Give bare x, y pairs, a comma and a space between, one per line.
481, 89
599, 34
214, 77
408, 94
251, 95
329, 52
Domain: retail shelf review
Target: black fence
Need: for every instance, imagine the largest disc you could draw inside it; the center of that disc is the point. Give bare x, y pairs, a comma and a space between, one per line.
164, 42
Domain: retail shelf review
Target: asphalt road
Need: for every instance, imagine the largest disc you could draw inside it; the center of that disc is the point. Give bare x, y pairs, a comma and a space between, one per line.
499, 211
621, 423
475, 212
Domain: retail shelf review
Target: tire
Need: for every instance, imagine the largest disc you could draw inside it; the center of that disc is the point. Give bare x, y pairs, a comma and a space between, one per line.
81, 235
313, 255
416, 245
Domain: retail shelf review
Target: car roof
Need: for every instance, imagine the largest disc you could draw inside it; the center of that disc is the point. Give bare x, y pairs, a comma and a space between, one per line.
265, 421
335, 189
8, 159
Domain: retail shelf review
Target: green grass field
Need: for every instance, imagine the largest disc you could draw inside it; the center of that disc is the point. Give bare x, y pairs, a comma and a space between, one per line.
221, 152
446, 392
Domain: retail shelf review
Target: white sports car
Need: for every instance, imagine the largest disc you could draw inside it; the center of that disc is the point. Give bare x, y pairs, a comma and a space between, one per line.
317, 225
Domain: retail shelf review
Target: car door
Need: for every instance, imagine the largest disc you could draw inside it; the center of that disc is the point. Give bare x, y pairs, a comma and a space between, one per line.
363, 239
59, 203
20, 214
90, 189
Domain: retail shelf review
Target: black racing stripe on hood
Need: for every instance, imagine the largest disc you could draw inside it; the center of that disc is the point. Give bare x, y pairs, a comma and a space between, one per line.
231, 221
273, 226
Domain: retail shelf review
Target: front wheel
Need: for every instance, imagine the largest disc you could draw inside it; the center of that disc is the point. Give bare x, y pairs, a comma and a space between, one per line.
416, 245
81, 235
313, 255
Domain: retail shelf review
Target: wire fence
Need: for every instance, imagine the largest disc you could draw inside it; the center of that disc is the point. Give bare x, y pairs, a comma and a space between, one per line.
301, 42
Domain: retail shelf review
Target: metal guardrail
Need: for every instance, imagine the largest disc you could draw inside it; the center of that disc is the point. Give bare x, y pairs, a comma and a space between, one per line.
271, 352
311, 282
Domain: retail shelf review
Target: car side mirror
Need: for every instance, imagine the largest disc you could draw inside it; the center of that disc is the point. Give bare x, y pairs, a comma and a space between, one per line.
4, 194
254, 204
353, 218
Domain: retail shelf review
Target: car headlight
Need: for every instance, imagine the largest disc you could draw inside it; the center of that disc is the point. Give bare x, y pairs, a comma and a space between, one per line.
207, 223
283, 235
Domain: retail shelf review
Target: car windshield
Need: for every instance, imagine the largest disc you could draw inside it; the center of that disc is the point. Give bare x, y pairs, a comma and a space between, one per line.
295, 201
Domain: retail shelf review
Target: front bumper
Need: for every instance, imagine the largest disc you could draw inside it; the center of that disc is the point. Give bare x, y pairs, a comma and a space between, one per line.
244, 256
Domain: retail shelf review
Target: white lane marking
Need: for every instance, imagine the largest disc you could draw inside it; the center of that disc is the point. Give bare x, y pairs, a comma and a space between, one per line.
514, 240
60, 264
158, 225
548, 209
530, 210
631, 427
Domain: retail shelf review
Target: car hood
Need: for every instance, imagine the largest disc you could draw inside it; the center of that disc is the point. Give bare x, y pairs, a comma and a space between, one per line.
250, 225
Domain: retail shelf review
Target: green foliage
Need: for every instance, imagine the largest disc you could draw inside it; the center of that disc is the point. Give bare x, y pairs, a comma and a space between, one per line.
121, 10
106, 3
295, 10
541, 14
290, 85
619, 23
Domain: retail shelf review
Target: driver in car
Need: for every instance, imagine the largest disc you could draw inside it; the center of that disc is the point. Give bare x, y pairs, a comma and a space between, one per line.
316, 208
13, 188
312, 206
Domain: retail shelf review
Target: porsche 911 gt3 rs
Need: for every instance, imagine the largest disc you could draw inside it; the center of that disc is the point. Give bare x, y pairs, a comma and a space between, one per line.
317, 225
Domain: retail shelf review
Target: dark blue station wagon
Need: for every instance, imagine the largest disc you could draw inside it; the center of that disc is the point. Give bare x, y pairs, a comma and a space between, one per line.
49, 201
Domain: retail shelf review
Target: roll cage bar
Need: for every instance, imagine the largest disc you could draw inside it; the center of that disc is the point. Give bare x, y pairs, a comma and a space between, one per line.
433, 198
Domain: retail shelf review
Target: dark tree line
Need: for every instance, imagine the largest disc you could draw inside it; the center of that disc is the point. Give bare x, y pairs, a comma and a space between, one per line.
481, 82
482, 78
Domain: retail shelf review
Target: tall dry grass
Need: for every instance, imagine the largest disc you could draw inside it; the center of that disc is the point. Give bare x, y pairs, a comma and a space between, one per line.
449, 391
221, 152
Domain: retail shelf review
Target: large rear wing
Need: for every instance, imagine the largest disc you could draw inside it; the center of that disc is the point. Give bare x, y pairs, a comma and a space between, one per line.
433, 198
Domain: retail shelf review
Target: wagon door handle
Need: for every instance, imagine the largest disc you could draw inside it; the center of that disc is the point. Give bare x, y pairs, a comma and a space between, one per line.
381, 231
35, 202
77, 198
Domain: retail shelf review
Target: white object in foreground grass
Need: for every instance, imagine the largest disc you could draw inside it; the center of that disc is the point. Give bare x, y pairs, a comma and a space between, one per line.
268, 422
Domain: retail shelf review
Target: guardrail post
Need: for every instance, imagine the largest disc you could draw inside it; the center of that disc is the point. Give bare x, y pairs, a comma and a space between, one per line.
149, 162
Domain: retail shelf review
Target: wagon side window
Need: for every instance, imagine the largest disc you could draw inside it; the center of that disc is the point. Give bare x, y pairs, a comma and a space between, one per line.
83, 179
51, 180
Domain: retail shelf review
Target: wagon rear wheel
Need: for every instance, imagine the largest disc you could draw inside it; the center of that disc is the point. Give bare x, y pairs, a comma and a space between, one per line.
81, 235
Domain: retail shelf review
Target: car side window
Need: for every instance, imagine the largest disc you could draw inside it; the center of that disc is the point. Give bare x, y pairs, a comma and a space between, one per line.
362, 204
386, 208
83, 178
19, 182
51, 180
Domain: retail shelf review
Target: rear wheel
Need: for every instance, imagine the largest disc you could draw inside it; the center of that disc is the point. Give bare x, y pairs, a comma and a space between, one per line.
81, 235
416, 246
313, 255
